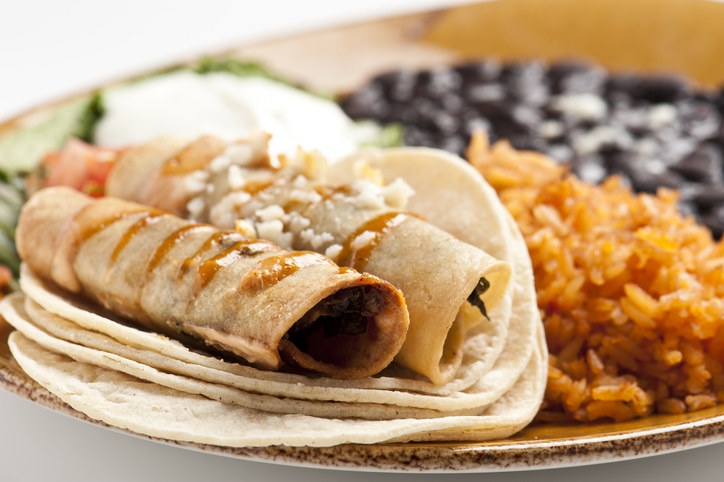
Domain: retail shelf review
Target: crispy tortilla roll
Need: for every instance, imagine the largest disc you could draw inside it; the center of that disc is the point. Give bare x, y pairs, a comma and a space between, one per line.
449, 285
242, 295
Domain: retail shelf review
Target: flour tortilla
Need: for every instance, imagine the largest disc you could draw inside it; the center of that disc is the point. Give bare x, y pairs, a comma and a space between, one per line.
154, 410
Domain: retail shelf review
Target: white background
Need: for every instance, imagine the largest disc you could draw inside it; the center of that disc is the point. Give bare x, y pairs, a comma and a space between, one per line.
51, 48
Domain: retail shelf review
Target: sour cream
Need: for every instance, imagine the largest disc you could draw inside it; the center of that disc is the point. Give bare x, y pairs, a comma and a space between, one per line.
189, 105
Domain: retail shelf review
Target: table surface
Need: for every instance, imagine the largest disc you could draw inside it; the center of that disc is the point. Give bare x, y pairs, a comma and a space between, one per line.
49, 49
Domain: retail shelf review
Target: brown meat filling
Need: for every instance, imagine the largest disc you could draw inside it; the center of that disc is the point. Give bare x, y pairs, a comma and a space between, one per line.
348, 312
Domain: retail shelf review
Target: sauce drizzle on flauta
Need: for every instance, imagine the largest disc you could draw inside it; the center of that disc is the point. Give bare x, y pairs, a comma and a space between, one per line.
175, 237
378, 226
245, 248
149, 218
272, 270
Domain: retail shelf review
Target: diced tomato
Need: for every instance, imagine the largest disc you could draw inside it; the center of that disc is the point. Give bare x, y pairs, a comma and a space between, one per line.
6, 275
80, 165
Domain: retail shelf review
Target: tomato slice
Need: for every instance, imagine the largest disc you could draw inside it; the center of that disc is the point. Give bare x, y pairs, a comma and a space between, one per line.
80, 165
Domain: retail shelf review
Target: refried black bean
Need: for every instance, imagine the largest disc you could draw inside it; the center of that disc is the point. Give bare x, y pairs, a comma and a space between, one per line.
653, 130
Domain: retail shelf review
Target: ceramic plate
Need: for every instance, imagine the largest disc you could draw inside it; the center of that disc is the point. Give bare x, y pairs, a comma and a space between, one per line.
647, 35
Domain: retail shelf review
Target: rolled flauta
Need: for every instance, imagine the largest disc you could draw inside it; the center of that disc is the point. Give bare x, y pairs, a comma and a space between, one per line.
186, 279
449, 285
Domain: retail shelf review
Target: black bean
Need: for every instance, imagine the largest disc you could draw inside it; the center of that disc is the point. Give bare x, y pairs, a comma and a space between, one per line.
402, 86
435, 83
620, 87
589, 168
525, 81
646, 181
699, 119
660, 88
488, 92
417, 136
714, 220
656, 130
703, 165
576, 77
644, 175
500, 115
472, 122
479, 72
707, 196
368, 102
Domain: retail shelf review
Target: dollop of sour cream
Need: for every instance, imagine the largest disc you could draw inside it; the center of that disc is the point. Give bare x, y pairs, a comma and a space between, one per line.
188, 105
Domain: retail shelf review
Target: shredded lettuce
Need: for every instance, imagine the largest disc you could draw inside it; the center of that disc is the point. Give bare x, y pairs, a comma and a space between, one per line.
11, 200
388, 135
22, 149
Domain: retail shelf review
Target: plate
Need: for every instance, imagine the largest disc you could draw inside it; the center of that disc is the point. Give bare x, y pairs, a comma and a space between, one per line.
342, 58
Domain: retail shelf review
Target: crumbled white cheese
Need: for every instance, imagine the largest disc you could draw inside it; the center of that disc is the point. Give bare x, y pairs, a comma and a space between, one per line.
245, 227
300, 182
333, 251
235, 177
655, 166
304, 196
661, 115
646, 146
591, 141
195, 207
271, 213
550, 128
582, 106
397, 193
274, 232
219, 163
592, 172
369, 195
195, 182
321, 239
239, 154
307, 235
487, 92
314, 239
297, 222
225, 212
560, 152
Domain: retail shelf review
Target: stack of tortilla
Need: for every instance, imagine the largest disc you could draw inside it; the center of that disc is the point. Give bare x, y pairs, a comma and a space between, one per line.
141, 380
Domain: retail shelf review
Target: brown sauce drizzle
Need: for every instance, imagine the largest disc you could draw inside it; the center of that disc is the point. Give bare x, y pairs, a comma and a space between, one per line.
169, 242
358, 258
150, 218
242, 249
214, 240
272, 270
89, 230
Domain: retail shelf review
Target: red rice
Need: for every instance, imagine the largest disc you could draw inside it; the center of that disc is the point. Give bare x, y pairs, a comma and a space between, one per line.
629, 289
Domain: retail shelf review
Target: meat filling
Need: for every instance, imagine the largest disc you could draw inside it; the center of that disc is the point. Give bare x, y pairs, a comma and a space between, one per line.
348, 312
